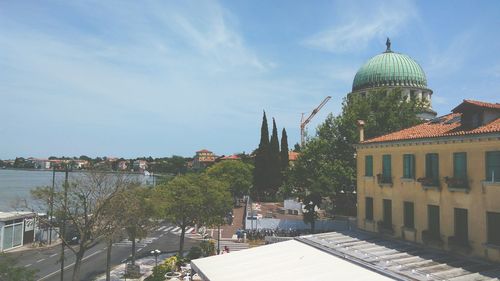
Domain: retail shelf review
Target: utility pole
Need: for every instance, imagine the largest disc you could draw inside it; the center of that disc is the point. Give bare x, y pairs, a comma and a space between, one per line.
63, 230
51, 207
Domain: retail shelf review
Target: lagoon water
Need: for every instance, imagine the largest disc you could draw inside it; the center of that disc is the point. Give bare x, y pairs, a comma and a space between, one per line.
15, 186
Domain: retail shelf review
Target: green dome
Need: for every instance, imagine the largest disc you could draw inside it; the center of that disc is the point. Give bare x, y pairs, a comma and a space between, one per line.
390, 69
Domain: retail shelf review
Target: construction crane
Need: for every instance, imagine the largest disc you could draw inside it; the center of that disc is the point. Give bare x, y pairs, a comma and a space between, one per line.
303, 122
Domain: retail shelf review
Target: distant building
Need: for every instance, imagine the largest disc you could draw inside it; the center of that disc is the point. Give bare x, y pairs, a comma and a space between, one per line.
436, 183
203, 159
16, 229
122, 165
40, 163
140, 165
292, 156
229, 157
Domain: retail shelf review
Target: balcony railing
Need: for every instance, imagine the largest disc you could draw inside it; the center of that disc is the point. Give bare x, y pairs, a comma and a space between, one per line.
381, 179
457, 182
429, 182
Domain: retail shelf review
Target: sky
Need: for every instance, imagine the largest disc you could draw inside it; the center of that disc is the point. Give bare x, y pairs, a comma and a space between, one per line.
161, 78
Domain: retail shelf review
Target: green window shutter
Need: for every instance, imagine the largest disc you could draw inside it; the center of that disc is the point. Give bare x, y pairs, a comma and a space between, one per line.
493, 226
432, 166
387, 204
386, 166
460, 165
493, 166
369, 208
409, 215
369, 166
433, 219
409, 166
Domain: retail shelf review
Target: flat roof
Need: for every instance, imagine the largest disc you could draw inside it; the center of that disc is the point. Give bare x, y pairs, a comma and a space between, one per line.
288, 260
405, 260
4, 216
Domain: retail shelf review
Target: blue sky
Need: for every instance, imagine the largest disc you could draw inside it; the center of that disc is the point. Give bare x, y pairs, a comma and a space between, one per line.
140, 78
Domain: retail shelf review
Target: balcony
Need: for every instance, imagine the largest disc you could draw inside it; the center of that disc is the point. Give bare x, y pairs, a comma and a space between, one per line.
457, 184
432, 239
384, 180
385, 228
429, 183
459, 244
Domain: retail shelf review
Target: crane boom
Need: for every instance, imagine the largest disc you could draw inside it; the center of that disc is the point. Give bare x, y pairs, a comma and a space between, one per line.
303, 122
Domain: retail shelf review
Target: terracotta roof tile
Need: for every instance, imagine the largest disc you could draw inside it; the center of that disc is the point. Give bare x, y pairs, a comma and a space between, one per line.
292, 155
484, 104
448, 125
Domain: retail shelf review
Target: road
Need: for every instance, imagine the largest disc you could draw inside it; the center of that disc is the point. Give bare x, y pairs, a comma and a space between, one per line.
46, 261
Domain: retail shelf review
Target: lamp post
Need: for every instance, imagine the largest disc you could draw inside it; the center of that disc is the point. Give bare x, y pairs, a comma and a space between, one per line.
156, 253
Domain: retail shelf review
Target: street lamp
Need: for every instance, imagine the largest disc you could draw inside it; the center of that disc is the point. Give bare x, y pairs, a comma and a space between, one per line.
156, 253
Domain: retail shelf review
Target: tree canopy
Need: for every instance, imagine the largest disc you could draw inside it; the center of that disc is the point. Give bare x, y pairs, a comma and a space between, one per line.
193, 199
237, 174
327, 163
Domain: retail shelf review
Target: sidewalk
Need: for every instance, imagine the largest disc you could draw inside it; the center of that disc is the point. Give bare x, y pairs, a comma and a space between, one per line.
146, 265
228, 231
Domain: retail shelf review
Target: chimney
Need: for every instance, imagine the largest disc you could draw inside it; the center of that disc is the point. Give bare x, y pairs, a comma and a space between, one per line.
361, 128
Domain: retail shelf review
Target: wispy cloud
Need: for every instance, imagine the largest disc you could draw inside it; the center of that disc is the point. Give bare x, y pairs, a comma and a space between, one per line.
451, 57
359, 24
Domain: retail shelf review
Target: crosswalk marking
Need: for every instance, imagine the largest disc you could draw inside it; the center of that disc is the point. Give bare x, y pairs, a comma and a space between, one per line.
168, 228
162, 228
190, 230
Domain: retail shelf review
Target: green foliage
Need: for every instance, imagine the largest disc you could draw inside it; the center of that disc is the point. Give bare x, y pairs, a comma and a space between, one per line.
261, 171
194, 253
207, 248
327, 163
284, 151
236, 174
9, 271
194, 199
274, 162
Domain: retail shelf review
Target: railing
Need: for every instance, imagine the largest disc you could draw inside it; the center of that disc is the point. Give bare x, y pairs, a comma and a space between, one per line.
457, 182
381, 179
429, 182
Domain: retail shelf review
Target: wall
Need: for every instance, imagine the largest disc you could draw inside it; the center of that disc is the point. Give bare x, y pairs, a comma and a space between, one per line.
481, 197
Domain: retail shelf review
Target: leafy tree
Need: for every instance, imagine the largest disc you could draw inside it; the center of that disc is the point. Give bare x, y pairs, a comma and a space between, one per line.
261, 172
327, 162
10, 272
237, 174
284, 151
194, 199
274, 162
83, 204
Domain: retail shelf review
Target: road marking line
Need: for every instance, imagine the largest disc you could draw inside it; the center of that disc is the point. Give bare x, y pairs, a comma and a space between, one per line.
68, 266
27, 265
140, 249
168, 228
40, 260
53, 255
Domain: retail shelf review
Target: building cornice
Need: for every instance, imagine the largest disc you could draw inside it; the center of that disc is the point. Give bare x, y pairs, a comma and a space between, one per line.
430, 141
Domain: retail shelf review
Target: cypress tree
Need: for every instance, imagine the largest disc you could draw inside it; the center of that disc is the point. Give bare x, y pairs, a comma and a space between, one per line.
261, 175
274, 162
284, 151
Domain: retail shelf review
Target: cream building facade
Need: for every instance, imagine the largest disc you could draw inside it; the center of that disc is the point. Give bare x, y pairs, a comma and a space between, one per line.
437, 183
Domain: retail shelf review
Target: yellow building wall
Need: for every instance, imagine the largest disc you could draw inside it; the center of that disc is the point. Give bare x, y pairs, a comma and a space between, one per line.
482, 197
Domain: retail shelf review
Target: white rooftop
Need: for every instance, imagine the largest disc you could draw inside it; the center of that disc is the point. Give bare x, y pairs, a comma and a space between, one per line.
290, 260
13, 215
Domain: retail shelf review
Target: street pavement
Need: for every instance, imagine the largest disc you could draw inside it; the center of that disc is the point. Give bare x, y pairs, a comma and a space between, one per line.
165, 238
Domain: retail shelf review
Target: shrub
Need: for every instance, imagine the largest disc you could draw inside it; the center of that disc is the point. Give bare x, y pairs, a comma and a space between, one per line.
194, 253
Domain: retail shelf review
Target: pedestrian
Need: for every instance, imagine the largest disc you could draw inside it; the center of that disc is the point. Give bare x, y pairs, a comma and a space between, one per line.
226, 249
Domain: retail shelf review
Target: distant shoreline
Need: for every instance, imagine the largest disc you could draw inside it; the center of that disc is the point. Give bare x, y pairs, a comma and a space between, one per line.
71, 171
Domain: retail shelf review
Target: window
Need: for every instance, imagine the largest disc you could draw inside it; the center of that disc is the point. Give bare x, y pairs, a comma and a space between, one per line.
493, 166
386, 169
493, 221
409, 166
461, 226
369, 166
460, 165
369, 208
432, 169
387, 213
409, 221
433, 220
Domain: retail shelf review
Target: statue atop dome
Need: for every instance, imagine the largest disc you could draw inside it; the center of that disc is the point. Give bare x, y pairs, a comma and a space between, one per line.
388, 44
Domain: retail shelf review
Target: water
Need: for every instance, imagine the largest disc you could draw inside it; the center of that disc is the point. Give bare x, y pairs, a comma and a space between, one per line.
15, 186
